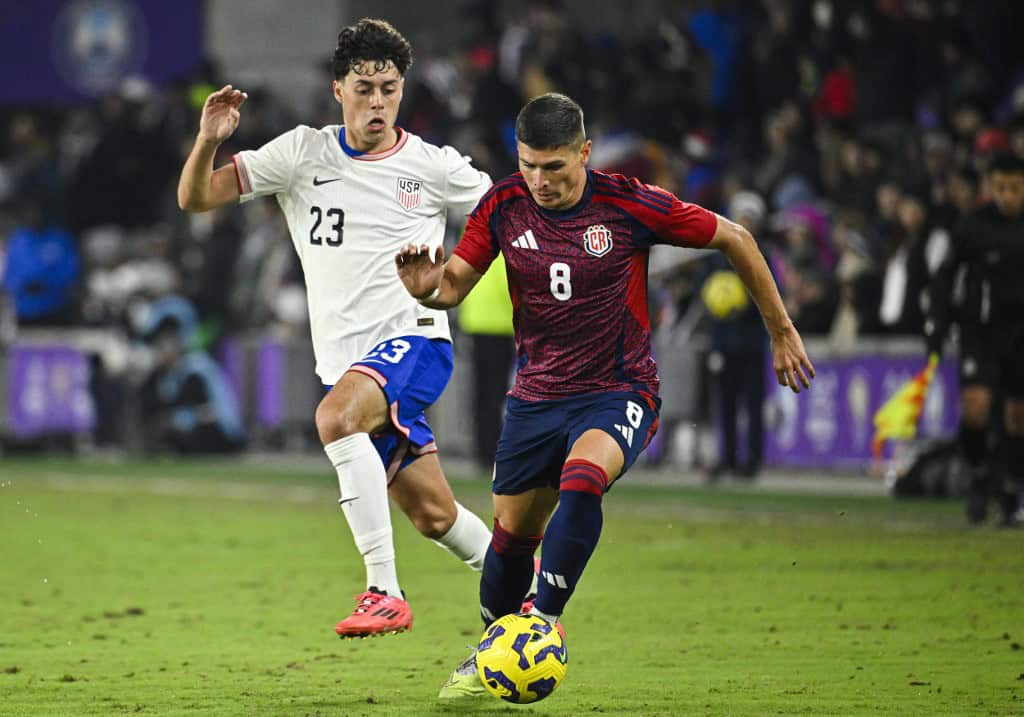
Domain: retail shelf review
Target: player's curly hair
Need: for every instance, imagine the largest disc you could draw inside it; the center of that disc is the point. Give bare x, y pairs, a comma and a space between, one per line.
371, 40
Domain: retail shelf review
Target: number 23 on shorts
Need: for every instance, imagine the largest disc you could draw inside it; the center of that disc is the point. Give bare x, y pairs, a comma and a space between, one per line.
391, 350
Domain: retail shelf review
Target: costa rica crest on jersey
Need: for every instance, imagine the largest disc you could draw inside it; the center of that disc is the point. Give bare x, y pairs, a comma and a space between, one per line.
408, 193
597, 240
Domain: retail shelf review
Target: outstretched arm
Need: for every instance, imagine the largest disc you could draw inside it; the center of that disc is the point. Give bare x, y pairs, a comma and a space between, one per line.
199, 187
432, 281
792, 367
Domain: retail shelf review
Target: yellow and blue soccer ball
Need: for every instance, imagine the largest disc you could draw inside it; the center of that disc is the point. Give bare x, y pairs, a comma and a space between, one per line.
521, 658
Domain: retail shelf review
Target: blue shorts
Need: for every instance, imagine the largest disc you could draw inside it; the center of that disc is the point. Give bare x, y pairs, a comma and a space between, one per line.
538, 435
412, 371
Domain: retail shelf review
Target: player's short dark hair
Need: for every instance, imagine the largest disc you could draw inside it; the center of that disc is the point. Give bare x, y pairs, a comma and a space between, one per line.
1007, 164
550, 121
371, 40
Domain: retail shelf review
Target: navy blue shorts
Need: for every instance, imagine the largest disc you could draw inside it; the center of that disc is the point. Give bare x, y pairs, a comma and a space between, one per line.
538, 435
412, 371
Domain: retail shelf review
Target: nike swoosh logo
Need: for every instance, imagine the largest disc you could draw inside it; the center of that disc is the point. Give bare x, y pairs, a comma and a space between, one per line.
317, 181
343, 501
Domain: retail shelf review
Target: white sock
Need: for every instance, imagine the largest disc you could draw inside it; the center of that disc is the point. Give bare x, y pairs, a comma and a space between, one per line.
553, 619
364, 501
467, 539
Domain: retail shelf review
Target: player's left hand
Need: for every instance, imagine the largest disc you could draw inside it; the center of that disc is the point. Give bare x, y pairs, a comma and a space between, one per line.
420, 269
789, 359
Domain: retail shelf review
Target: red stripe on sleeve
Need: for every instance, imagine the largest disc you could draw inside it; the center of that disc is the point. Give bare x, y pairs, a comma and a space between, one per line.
239, 170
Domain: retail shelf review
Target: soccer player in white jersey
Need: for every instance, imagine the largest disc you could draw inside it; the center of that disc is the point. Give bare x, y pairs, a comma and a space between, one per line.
353, 195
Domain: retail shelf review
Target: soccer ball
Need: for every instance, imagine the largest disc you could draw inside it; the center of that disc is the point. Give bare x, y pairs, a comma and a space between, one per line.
521, 658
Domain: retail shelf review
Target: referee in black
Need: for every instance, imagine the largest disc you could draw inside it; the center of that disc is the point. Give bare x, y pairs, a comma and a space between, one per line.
980, 287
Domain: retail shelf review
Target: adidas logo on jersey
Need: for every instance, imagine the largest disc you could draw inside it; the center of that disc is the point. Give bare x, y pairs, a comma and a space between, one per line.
525, 241
627, 433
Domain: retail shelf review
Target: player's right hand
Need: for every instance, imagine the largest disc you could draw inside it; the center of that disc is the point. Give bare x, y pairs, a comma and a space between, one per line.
789, 359
420, 269
220, 114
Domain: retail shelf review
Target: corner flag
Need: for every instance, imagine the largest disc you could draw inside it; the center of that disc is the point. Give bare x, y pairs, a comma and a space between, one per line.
897, 418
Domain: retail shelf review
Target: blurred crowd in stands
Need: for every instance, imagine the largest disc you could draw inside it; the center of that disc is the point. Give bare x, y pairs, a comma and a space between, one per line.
850, 136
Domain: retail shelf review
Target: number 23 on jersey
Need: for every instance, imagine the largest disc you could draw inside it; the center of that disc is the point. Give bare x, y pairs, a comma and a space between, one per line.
333, 228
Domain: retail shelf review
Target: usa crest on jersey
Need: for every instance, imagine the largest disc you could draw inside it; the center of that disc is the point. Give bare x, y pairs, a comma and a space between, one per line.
408, 193
597, 240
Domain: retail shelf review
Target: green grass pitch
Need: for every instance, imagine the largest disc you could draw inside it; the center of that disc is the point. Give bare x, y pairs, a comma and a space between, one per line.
180, 588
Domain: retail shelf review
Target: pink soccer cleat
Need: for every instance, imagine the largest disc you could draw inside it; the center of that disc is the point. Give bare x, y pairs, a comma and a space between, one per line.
376, 613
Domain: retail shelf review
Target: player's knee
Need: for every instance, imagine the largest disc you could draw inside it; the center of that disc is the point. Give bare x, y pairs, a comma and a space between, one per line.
334, 423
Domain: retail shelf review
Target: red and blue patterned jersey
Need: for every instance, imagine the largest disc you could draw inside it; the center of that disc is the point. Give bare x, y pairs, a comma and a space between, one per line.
578, 279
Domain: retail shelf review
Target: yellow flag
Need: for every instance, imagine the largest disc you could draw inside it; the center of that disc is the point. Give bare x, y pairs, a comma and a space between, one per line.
897, 418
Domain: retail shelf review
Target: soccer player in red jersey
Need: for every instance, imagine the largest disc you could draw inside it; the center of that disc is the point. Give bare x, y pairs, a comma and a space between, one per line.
585, 401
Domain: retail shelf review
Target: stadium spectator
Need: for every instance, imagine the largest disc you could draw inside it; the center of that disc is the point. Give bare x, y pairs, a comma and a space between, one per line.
738, 344
855, 184
859, 284
809, 286
268, 290
186, 400
41, 270
126, 178
904, 267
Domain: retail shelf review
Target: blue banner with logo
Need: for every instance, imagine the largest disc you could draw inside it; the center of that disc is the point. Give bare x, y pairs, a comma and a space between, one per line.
67, 51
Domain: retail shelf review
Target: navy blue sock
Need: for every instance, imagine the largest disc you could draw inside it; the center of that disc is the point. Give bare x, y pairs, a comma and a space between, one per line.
571, 535
508, 571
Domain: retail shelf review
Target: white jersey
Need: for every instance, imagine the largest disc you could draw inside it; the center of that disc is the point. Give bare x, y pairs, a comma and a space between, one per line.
348, 216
